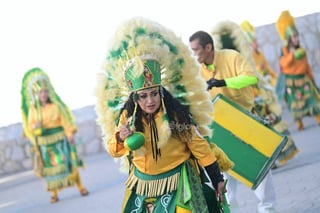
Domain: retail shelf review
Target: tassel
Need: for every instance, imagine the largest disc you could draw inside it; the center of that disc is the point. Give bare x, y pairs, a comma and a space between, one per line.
154, 137
153, 188
133, 118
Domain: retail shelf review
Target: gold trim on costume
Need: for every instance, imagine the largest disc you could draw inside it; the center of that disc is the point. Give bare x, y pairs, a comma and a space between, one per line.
51, 171
51, 139
153, 188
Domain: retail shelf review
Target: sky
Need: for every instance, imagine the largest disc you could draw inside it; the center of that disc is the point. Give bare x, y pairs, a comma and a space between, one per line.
68, 38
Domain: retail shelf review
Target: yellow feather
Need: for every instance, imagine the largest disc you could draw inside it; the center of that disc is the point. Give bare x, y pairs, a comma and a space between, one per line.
284, 21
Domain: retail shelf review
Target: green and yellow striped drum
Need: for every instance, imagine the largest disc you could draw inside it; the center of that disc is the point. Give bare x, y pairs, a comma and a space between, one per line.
249, 142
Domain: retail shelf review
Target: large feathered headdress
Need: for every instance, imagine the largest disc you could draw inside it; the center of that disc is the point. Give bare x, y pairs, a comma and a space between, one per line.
249, 29
33, 81
138, 44
242, 45
228, 34
286, 25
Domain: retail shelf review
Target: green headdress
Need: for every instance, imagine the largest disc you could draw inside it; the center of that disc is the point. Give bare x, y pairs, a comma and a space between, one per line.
142, 73
33, 81
143, 54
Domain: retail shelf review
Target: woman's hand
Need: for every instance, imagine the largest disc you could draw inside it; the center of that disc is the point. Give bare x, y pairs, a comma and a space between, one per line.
71, 139
124, 131
271, 118
220, 191
292, 49
37, 125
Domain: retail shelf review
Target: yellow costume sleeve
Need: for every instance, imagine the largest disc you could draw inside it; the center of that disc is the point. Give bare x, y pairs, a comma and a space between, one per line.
51, 117
115, 147
32, 120
223, 160
69, 128
269, 70
201, 150
262, 64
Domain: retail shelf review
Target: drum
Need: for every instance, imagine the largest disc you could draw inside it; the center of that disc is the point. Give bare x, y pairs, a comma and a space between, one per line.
248, 141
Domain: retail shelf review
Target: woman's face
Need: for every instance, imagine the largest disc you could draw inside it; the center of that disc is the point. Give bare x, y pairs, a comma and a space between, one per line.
254, 45
199, 52
295, 39
149, 99
44, 96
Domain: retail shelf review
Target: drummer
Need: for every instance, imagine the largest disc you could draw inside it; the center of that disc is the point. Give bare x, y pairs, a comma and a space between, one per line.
228, 73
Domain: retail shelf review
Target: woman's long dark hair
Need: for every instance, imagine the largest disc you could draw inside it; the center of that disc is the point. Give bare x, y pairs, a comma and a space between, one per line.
179, 117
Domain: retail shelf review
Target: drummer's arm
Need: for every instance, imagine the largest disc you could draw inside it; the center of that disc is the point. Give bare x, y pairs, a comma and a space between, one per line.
241, 81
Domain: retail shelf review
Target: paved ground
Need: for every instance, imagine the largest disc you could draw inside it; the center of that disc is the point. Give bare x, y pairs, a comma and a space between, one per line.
297, 184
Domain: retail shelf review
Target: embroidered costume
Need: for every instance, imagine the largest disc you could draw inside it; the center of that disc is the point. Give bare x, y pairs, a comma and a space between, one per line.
56, 160
298, 88
164, 157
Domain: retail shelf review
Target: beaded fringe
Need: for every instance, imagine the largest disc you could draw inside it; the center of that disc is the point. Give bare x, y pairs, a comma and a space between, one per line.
51, 139
51, 171
59, 183
62, 181
153, 188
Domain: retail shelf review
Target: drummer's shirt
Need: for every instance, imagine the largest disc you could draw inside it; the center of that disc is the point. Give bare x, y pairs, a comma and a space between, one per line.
227, 65
173, 153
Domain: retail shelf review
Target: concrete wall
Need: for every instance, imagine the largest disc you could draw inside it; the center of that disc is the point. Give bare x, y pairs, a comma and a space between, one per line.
14, 149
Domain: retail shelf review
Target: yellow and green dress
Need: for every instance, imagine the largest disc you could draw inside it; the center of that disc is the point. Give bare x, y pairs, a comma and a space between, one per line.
174, 181
297, 85
300, 94
59, 158
145, 54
